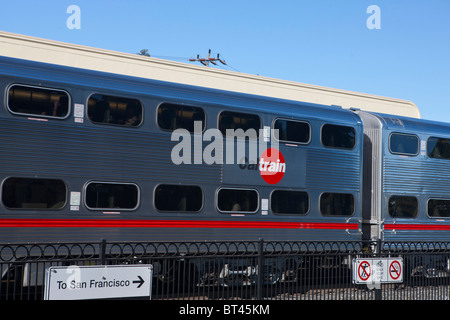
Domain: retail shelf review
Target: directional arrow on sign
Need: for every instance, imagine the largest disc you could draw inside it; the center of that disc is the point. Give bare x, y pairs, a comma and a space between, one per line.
140, 281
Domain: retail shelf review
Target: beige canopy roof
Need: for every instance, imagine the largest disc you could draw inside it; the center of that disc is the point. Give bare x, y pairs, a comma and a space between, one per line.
43, 50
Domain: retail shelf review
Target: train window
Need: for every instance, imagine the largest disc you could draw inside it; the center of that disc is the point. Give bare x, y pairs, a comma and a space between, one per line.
439, 208
292, 131
237, 200
336, 136
33, 193
106, 109
337, 204
406, 144
43, 102
403, 206
178, 198
438, 148
237, 120
106, 195
174, 116
289, 202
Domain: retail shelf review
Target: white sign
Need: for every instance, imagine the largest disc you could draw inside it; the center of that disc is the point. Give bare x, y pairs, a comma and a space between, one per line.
78, 112
382, 270
98, 282
75, 198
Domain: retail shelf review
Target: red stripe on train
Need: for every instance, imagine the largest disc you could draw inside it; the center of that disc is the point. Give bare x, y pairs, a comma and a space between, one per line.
113, 223
121, 223
420, 227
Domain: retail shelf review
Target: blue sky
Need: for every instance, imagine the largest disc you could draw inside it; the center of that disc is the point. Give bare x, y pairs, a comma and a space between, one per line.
321, 42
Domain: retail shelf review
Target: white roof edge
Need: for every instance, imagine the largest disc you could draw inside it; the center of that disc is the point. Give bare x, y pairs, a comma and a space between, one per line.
61, 53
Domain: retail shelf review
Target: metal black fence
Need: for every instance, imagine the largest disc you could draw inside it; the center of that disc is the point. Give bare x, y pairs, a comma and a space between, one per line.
259, 270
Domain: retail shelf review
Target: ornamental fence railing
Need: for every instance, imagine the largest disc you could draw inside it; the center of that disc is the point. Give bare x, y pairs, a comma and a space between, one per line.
260, 270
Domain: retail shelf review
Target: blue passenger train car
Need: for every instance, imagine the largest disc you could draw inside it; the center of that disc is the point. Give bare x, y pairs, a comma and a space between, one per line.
89, 155
406, 178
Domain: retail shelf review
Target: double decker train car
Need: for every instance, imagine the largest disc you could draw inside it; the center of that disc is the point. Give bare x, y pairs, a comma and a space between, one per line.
90, 155
76, 168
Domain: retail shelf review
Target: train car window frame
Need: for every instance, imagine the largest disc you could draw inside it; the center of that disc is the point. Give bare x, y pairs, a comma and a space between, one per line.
59, 202
435, 216
134, 118
333, 145
290, 140
438, 153
40, 113
196, 110
400, 152
308, 203
179, 204
233, 114
111, 208
402, 215
237, 210
321, 204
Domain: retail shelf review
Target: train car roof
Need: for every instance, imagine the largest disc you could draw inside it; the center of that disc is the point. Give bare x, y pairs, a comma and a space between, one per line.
412, 125
65, 54
102, 82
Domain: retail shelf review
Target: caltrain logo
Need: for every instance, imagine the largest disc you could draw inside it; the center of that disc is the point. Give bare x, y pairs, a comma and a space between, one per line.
272, 166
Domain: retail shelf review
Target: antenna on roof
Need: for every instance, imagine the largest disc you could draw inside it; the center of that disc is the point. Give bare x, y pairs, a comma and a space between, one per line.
206, 61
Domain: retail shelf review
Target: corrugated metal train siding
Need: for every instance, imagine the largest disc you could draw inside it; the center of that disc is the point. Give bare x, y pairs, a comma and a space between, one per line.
54, 150
406, 175
333, 169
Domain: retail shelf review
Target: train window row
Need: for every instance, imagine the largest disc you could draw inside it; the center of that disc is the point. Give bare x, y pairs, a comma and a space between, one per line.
33, 193
106, 109
408, 207
408, 144
51, 194
113, 110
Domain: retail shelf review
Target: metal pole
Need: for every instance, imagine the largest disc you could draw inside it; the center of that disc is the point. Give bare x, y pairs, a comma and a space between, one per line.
102, 253
260, 277
378, 294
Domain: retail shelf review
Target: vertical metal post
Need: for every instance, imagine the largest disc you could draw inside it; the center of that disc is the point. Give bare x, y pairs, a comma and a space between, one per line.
102, 253
378, 293
260, 277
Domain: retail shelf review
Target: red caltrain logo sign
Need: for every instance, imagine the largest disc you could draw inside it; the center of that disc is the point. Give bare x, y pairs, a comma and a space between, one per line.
272, 166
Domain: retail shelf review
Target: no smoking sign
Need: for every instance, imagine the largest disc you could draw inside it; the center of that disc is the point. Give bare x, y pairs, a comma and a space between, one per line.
379, 270
395, 270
